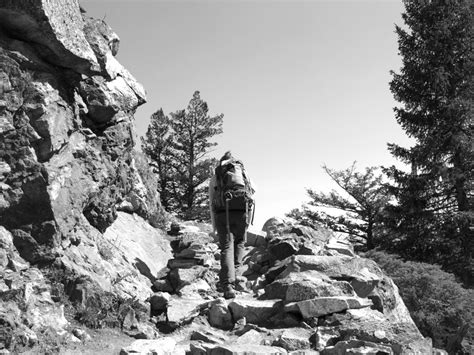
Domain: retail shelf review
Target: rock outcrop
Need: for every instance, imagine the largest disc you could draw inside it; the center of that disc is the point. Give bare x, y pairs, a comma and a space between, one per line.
316, 297
76, 198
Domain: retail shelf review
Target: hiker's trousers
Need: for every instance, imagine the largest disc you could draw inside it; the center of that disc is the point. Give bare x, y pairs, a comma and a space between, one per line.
231, 244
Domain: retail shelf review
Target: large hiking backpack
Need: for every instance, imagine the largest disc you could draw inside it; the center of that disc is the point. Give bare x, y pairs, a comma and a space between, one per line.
232, 190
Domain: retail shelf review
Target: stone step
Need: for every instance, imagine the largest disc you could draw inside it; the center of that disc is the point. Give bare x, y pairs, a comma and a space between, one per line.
255, 311
322, 306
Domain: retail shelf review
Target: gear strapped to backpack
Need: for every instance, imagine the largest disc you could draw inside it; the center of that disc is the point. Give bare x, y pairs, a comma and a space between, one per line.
233, 191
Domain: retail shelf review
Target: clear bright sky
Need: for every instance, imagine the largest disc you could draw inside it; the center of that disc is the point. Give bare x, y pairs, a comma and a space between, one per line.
300, 83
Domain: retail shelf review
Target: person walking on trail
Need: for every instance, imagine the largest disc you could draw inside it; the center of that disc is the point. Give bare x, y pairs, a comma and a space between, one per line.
232, 208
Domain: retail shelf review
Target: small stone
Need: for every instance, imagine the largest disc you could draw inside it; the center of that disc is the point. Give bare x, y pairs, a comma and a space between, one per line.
295, 339
81, 334
219, 315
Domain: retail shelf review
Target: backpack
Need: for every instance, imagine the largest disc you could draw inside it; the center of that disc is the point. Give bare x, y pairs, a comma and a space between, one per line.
232, 188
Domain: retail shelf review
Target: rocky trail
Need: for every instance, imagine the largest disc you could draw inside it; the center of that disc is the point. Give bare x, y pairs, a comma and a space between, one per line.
304, 292
87, 264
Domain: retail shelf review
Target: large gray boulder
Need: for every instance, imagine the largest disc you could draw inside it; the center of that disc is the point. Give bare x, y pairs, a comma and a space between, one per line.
300, 286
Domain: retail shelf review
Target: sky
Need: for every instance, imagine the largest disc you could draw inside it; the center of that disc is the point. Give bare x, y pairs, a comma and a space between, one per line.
301, 83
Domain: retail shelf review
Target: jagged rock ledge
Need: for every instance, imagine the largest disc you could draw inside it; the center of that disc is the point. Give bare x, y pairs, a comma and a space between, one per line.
69, 171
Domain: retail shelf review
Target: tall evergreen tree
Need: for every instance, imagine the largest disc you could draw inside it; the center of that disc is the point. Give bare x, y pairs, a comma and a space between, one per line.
434, 218
179, 146
157, 146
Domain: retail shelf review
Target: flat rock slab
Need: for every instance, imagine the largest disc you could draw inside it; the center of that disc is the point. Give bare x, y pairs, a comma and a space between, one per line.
140, 243
370, 325
209, 335
255, 311
333, 266
300, 286
247, 349
183, 309
295, 339
163, 346
181, 277
321, 306
341, 246
251, 337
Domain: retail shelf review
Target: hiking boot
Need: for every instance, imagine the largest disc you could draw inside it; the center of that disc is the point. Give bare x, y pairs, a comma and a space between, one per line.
229, 292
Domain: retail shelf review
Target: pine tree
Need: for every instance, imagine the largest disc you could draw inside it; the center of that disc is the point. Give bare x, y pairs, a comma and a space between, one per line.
360, 206
434, 218
157, 146
179, 146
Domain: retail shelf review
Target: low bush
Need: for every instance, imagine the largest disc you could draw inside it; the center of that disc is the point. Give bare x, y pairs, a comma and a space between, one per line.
441, 308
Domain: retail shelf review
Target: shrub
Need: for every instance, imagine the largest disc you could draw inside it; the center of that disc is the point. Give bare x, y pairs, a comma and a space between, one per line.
107, 310
440, 307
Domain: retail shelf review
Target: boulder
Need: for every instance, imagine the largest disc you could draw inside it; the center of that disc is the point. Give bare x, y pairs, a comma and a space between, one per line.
364, 282
255, 311
219, 315
294, 339
317, 235
142, 245
199, 286
325, 337
338, 267
275, 227
322, 306
306, 285
180, 277
371, 325
282, 247
183, 309
251, 337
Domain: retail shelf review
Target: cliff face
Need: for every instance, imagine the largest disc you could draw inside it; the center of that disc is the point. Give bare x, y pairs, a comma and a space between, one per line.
68, 171
66, 128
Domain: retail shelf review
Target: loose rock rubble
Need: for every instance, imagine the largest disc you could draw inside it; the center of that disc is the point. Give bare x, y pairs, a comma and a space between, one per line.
304, 292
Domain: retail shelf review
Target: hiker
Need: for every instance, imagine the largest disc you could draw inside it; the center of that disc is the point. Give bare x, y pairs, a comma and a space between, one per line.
232, 209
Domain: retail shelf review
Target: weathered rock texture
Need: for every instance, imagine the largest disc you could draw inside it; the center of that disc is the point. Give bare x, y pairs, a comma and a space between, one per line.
68, 167
315, 297
75, 207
